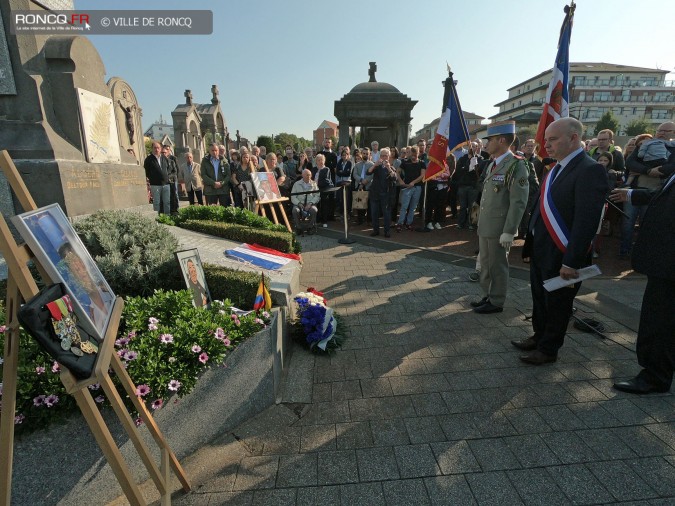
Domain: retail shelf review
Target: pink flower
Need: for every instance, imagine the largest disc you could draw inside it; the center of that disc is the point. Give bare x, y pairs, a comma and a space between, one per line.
234, 316
174, 385
196, 348
19, 419
259, 321
142, 390
157, 403
138, 421
99, 399
166, 338
132, 355
39, 401
226, 341
122, 353
153, 320
51, 400
122, 341
56, 367
39, 370
237, 322
131, 334
220, 333
152, 326
203, 358
3, 329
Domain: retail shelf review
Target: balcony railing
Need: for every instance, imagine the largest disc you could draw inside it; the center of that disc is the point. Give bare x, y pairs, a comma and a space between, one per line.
613, 83
640, 98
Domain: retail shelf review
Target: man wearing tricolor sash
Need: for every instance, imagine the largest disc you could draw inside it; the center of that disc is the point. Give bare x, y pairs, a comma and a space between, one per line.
502, 205
565, 218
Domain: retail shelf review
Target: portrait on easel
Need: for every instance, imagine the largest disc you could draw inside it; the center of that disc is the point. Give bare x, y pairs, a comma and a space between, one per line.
193, 274
60, 251
266, 187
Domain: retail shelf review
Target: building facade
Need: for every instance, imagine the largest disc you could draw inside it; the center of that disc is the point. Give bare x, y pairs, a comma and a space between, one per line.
159, 129
326, 130
631, 93
474, 123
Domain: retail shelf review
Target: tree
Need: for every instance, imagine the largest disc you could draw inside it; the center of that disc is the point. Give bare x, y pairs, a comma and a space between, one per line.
639, 126
607, 122
266, 140
528, 132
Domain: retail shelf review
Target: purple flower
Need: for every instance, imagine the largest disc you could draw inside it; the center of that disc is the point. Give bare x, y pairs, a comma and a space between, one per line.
56, 367
226, 341
166, 338
131, 334
265, 314
138, 421
196, 348
203, 358
132, 355
39, 401
152, 326
142, 390
220, 333
157, 403
39, 370
99, 399
122, 353
51, 400
174, 385
19, 419
95, 386
122, 341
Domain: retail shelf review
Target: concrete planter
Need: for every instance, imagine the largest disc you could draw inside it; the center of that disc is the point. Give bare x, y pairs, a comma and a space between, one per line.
223, 398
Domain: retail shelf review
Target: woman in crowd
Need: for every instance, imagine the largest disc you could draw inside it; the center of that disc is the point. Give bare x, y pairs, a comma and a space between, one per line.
343, 173
324, 182
437, 196
361, 179
241, 173
383, 177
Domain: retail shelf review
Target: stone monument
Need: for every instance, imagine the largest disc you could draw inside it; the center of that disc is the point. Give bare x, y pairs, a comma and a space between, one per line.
128, 119
187, 129
379, 109
60, 125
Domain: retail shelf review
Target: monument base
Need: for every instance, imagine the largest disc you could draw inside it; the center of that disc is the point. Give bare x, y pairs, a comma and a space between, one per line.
81, 187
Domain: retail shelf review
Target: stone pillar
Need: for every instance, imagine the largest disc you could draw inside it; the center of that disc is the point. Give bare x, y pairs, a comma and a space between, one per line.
403, 129
344, 133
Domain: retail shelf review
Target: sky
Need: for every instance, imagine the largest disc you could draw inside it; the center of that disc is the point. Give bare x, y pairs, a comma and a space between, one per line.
281, 65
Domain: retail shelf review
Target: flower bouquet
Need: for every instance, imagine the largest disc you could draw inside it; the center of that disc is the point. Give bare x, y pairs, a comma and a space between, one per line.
316, 322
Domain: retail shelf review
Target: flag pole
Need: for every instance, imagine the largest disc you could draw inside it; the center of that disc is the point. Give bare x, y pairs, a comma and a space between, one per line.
447, 84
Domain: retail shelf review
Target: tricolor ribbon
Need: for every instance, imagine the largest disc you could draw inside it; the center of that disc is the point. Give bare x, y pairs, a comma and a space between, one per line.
554, 223
60, 307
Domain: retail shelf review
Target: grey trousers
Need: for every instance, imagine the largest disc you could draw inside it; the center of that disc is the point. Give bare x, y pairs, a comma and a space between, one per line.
494, 269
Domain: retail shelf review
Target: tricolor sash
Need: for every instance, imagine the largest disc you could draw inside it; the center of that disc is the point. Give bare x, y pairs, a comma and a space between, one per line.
555, 225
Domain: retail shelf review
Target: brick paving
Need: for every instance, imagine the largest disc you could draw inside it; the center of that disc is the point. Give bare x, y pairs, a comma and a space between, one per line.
427, 403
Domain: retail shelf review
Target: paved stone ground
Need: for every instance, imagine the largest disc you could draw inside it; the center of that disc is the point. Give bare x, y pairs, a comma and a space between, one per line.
427, 402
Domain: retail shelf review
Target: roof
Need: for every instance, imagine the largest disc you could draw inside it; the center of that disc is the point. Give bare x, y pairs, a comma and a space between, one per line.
376, 87
594, 67
328, 124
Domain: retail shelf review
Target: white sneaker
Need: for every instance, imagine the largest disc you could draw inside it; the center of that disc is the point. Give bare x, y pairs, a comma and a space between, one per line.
437, 226
325, 225
430, 226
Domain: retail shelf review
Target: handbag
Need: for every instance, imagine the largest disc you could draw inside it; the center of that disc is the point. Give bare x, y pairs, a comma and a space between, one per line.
360, 199
49, 318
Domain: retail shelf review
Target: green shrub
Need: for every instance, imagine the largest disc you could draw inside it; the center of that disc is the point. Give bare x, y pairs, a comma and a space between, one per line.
280, 241
239, 287
134, 253
233, 215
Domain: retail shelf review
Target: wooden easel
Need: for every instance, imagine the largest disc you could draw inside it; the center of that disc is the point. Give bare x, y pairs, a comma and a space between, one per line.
260, 206
21, 286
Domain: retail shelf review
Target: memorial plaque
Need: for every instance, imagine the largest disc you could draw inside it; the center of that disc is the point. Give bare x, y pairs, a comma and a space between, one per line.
7, 86
99, 127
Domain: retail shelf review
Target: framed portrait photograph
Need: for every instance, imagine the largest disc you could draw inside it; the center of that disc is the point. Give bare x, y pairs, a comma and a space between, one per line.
266, 187
193, 274
64, 257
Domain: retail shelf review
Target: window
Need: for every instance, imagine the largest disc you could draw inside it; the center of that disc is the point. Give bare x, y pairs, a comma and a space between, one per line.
602, 96
659, 114
582, 96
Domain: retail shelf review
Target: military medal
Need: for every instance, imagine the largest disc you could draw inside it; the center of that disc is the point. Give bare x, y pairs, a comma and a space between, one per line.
64, 322
496, 189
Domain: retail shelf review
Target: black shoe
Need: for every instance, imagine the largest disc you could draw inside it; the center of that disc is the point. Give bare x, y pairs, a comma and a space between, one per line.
373, 234
528, 344
479, 303
639, 385
538, 358
488, 308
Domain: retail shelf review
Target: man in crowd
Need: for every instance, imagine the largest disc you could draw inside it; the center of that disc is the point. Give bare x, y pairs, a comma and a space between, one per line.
653, 255
305, 205
464, 180
156, 167
605, 142
533, 180
215, 172
191, 177
375, 151
502, 205
330, 162
173, 178
564, 221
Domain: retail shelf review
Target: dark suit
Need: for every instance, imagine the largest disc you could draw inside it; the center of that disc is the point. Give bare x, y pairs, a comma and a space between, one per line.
157, 173
578, 193
653, 255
